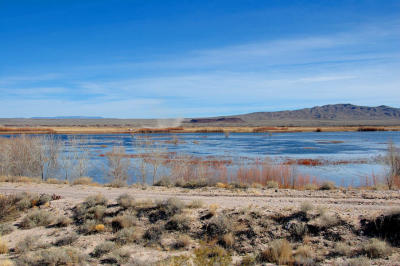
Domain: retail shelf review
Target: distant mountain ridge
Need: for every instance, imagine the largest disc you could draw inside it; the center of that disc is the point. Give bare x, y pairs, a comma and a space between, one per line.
331, 112
67, 117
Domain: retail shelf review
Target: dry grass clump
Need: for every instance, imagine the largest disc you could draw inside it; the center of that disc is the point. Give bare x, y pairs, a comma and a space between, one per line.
66, 240
53, 256
272, 184
328, 220
123, 221
56, 181
209, 254
127, 236
342, 249
3, 247
279, 252
103, 248
376, 248
304, 255
36, 218
306, 206
181, 242
327, 185
195, 204
179, 222
360, 261
227, 240
6, 229
126, 201
83, 181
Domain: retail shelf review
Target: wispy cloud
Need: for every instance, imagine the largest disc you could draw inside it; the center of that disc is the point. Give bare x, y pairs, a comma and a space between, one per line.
360, 66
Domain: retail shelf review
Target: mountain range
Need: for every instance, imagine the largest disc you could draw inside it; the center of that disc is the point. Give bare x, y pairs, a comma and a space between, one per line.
343, 114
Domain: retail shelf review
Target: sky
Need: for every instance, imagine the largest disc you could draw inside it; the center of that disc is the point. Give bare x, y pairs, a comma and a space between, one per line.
169, 59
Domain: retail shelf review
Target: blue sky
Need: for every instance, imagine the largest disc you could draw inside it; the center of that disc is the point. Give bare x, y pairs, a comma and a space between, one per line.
143, 59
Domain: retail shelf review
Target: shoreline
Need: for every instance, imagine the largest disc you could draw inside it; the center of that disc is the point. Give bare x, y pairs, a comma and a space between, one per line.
6, 130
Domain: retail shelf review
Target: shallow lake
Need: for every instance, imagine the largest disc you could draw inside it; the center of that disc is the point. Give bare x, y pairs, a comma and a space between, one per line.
363, 151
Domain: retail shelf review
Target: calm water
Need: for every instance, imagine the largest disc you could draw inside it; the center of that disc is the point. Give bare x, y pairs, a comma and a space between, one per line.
333, 146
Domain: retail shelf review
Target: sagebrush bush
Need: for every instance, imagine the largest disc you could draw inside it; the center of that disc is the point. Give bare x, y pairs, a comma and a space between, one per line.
118, 257
279, 251
127, 236
103, 248
123, 221
179, 222
83, 181
328, 220
153, 234
66, 240
306, 206
195, 204
126, 201
28, 243
376, 248
166, 209
327, 185
62, 221
342, 249
6, 229
217, 226
93, 208
36, 218
53, 256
